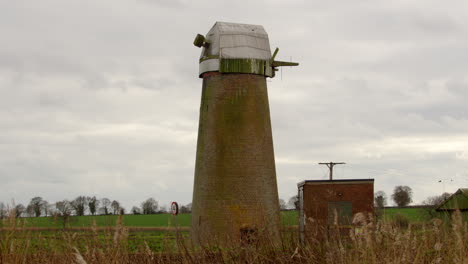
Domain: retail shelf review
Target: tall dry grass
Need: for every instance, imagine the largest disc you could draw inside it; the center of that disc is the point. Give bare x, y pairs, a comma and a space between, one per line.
368, 242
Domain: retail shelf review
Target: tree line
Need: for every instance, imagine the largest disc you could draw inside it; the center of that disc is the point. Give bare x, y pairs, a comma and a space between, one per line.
82, 205
403, 196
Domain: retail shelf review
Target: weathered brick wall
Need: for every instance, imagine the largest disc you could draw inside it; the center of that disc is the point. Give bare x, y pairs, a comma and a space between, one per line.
235, 180
317, 196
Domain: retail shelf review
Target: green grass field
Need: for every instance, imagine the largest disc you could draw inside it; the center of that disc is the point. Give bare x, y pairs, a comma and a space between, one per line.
288, 218
413, 214
418, 215
156, 220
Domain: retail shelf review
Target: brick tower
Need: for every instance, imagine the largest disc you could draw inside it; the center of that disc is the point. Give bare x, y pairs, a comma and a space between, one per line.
235, 194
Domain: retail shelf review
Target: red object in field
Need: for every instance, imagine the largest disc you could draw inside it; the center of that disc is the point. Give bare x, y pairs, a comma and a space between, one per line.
174, 208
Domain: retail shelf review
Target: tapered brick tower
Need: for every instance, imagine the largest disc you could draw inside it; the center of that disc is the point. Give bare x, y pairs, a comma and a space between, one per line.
235, 193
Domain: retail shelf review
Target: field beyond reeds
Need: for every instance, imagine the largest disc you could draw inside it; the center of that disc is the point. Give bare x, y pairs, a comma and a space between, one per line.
132, 221
433, 241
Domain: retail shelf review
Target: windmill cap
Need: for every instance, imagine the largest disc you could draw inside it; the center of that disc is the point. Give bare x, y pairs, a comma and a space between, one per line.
233, 47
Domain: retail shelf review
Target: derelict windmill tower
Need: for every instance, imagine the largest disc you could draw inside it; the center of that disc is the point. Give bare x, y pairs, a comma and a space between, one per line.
235, 190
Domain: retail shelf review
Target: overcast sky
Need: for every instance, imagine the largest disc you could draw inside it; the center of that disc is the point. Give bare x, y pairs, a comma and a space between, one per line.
101, 97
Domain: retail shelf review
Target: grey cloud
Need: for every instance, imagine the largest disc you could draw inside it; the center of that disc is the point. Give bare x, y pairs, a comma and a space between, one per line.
102, 97
167, 3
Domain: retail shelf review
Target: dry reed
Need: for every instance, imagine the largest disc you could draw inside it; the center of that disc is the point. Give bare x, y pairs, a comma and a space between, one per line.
366, 242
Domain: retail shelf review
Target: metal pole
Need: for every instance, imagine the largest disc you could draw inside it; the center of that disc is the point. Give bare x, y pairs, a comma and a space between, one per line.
330, 167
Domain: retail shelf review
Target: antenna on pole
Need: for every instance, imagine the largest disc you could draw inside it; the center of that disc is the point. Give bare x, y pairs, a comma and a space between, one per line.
330, 166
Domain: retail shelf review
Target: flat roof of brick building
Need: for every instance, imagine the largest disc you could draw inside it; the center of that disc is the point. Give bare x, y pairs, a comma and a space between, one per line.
344, 181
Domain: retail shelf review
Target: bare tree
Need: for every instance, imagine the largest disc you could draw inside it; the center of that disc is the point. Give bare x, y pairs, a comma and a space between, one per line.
64, 211
116, 207
186, 209
49, 209
3, 210
380, 199
46, 208
433, 201
80, 205
294, 202
29, 211
136, 210
402, 195
105, 206
282, 204
93, 204
64, 207
150, 206
437, 199
19, 210
35, 206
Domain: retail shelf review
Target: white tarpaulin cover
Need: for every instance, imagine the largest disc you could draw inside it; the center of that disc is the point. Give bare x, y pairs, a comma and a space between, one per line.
234, 41
238, 41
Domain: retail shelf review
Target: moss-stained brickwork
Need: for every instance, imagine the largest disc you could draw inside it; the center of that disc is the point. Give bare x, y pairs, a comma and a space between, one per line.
254, 66
235, 180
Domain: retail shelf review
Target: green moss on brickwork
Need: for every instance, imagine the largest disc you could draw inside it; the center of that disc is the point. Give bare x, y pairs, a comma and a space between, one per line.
235, 180
254, 66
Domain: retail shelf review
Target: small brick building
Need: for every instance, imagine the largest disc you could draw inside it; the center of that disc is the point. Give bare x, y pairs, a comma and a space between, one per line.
325, 203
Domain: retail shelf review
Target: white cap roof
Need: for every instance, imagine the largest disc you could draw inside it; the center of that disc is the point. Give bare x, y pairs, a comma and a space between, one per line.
234, 41
237, 41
